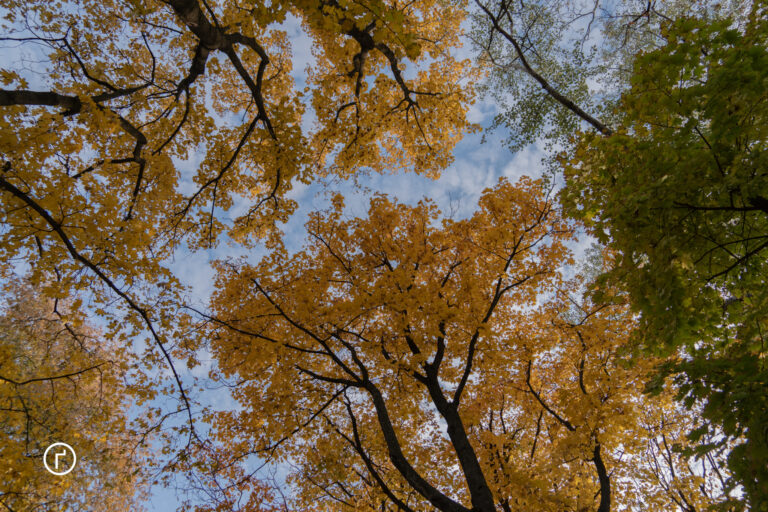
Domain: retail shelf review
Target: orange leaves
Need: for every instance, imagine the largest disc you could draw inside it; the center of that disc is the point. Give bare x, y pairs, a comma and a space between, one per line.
402, 358
379, 307
372, 112
149, 123
447, 362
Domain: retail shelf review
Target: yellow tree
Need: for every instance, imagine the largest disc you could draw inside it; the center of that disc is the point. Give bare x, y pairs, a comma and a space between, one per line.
129, 90
59, 381
143, 122
404, 362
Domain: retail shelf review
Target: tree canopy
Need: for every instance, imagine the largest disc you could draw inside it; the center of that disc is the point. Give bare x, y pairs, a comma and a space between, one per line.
403, 359
407, 362
146, 120
146, 126
681, 190
59, 379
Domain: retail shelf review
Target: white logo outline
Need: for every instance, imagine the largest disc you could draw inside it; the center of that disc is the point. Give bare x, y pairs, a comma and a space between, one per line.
56, 456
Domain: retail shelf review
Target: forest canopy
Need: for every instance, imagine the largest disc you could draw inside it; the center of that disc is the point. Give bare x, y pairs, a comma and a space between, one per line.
584, 334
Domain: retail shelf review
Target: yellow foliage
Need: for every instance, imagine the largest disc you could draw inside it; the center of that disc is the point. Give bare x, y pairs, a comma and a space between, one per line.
59, 383
446, 364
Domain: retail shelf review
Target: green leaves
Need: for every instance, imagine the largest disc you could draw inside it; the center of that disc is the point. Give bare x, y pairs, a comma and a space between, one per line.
679, 192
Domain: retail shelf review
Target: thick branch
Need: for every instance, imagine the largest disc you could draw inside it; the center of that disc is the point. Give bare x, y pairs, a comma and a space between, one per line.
480, 493
605, 481
396, 456
72, 104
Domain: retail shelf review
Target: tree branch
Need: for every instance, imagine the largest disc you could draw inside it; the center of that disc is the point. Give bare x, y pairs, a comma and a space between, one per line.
57, 228
55, 377
559, 418
567, 103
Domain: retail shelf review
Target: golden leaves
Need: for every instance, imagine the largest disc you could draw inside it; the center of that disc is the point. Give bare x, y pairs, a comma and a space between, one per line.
396, 320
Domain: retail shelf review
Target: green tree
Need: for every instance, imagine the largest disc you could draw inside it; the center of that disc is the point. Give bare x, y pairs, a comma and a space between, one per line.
680, 190
554, 66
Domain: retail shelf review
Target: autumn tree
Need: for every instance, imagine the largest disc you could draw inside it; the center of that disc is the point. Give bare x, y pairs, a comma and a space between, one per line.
405, 361
662, 131
373, 360
60, 381
142, 125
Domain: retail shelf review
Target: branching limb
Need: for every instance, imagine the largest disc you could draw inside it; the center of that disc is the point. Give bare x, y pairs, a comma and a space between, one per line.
567, 424
132, 304
55, 377
554, 93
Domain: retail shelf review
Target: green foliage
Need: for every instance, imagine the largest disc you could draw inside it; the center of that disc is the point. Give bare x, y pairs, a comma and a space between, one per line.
526, 111
681, 191
582, 51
